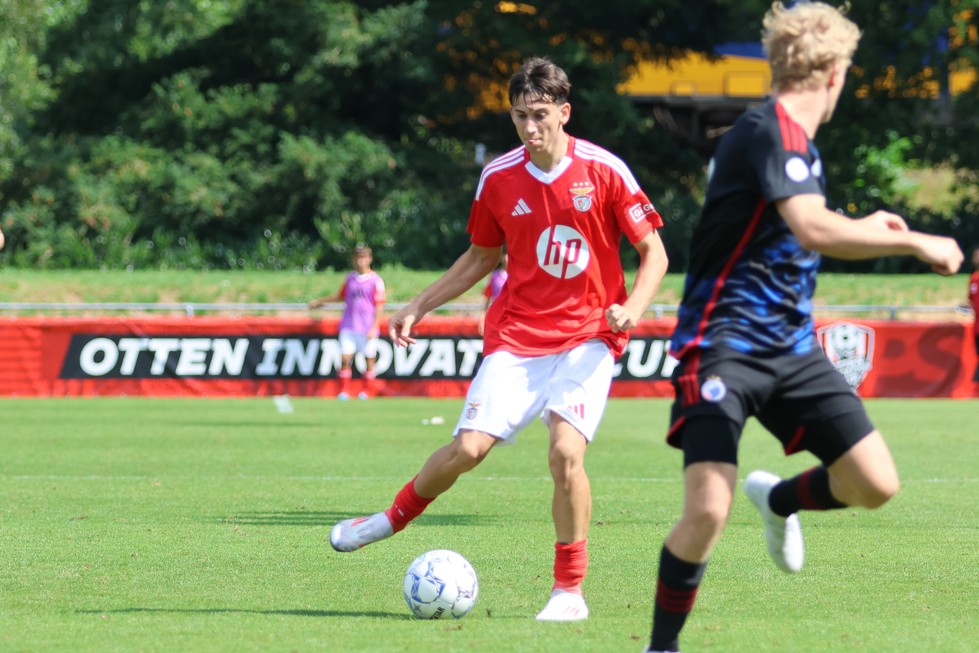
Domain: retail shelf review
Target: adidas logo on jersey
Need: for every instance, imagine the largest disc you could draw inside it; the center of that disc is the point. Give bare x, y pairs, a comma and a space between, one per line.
521, 208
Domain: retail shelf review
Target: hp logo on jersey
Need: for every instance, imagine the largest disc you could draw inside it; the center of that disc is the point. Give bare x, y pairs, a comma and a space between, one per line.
562, 252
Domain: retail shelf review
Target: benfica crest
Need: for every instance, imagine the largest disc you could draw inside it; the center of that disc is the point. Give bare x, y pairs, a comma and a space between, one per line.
850, 348
582, 191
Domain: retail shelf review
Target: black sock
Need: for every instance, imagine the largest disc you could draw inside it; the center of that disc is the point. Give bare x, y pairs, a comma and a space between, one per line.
676, 591
807, 491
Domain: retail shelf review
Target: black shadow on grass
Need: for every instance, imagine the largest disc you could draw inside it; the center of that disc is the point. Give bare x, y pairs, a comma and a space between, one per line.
285, 613
328, 518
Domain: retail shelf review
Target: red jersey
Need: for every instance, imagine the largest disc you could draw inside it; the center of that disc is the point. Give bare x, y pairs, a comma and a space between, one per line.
562, 230
974, 298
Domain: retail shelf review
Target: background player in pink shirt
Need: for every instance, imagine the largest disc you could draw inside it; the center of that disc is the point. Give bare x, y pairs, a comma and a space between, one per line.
494, 285
560, 205
363, 294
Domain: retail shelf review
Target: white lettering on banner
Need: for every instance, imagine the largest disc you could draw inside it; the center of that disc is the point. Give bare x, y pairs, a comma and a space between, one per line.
226, 358
385, 354
193, 356
406, 359
471, 349
304, 357
271, 347
330, 359
131, 348
441, 359
644, 359
162, 348
89, 359
299, 357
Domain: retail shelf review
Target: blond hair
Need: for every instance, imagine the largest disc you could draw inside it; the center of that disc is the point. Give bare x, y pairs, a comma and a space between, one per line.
803, 43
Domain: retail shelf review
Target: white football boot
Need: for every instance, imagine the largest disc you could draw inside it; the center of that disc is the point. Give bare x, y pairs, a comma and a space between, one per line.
353, 534
783, 534
564, 606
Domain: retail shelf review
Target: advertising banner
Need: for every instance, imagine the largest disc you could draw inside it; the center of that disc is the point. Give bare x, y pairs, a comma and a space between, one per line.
298, 356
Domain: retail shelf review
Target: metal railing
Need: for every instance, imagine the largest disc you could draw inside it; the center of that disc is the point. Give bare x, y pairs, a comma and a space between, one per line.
195, 308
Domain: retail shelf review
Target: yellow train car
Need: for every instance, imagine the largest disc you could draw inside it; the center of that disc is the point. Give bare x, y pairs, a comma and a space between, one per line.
697, 97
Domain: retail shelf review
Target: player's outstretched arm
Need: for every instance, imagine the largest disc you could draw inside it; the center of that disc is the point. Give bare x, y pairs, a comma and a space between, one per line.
879, 234
474, 264
649, 276
316, 303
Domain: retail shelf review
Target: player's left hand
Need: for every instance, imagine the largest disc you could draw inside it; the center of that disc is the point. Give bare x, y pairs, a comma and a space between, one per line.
620, 319
400, 325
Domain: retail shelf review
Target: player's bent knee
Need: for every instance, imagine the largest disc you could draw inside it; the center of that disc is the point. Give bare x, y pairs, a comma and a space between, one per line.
882, 491
874, 493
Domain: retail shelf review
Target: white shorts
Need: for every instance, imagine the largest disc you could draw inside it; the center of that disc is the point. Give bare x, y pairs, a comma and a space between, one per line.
354, 342
509, 391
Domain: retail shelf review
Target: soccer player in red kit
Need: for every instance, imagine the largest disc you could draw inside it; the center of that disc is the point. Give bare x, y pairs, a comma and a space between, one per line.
974, 303
560, 205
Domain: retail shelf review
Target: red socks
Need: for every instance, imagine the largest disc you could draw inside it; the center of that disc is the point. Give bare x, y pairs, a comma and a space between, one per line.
570, 565
407, 505
345, 376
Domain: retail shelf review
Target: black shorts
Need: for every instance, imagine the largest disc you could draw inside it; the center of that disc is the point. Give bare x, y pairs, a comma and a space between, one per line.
802, 400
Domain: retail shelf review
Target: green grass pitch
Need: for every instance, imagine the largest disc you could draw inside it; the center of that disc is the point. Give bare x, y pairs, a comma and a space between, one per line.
202, 525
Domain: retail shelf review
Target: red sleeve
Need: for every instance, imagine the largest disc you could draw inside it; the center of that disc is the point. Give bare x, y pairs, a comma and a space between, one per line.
636, 214
484, 230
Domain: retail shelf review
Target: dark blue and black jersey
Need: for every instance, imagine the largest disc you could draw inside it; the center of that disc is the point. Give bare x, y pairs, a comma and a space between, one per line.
750, 283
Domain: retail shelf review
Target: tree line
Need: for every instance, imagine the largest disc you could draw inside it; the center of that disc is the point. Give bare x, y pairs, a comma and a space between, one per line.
246, 134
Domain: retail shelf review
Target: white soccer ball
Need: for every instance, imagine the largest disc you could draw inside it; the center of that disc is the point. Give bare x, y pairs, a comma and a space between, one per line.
440, 584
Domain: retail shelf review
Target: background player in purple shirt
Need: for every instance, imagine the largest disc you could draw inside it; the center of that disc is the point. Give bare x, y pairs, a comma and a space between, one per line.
364, 296
744, 335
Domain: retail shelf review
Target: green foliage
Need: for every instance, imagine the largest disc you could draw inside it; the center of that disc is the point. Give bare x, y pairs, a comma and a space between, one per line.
896, 126
243, 133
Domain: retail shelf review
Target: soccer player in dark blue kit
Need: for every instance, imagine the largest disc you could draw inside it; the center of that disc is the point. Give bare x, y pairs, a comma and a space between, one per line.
745, 338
